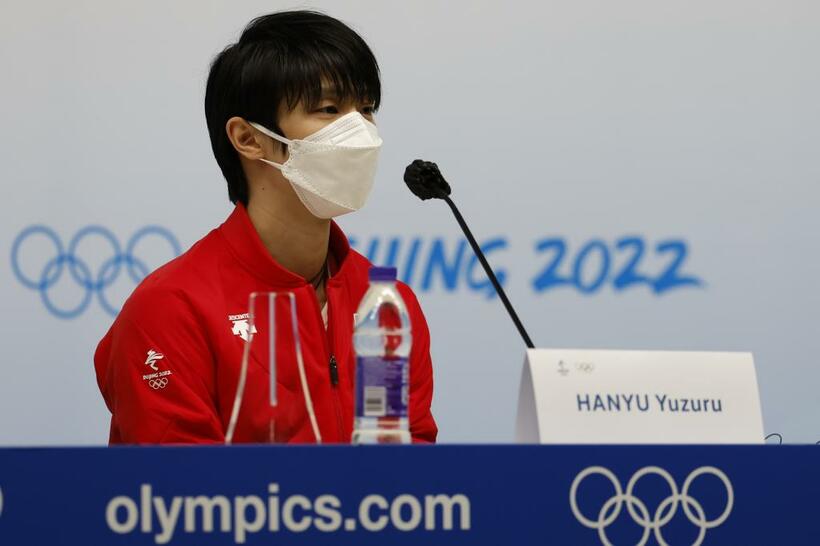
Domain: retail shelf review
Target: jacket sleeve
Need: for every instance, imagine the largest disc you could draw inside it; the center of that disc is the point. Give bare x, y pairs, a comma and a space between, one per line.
156, 372
423, 427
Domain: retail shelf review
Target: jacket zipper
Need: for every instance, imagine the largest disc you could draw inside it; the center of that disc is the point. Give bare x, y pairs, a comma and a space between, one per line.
334, 385
334, 371
332, 364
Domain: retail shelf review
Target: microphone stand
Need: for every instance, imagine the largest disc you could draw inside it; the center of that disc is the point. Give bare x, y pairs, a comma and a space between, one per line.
489, 271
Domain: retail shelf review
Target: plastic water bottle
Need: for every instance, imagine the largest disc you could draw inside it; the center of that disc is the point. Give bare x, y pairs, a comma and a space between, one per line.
382, 341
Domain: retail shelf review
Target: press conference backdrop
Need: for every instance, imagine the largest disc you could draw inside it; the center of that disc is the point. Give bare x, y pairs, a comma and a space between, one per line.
642, 174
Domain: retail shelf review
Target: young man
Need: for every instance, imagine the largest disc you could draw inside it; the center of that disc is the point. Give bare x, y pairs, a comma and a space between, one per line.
290, 111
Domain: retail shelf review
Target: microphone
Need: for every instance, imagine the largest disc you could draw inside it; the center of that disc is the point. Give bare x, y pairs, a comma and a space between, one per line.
426, 182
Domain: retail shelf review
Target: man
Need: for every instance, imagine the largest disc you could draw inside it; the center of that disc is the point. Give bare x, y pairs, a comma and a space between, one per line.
290, 111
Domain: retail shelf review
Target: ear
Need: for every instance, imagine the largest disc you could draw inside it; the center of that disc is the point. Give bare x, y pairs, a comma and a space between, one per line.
247, 141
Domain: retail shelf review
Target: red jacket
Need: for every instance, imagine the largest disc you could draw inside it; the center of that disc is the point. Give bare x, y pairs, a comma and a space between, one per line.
168, 368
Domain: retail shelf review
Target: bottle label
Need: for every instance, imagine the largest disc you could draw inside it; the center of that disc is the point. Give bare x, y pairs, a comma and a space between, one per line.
381, 386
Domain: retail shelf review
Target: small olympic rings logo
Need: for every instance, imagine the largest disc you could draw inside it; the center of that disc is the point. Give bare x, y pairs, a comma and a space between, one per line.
158, 383
91, 282
586, 367
638, 510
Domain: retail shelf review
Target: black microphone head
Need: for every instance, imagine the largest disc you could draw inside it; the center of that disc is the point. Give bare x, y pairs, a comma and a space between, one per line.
424, 179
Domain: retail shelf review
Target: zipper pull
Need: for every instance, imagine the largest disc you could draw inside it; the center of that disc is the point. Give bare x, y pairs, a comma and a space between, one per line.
334, 371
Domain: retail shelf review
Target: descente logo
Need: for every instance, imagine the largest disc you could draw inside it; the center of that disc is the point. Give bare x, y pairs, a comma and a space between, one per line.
243, 515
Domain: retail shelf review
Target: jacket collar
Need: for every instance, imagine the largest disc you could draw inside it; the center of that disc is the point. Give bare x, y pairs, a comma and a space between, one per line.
247, 247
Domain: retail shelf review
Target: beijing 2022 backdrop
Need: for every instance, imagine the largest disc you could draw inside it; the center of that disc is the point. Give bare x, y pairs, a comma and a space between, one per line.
642, 175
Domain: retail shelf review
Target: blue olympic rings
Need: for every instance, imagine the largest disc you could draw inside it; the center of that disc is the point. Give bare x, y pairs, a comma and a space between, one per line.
80, 272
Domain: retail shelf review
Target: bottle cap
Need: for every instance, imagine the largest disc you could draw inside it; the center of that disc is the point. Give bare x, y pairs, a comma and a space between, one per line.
382, 274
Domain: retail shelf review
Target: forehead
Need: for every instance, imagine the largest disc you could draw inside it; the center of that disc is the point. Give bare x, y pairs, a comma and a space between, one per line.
327, 92
315, 88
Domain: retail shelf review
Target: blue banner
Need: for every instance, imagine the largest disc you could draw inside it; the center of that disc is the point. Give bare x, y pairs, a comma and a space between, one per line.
567, 495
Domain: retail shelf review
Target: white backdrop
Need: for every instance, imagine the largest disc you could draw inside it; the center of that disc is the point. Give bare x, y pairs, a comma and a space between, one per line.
600, 126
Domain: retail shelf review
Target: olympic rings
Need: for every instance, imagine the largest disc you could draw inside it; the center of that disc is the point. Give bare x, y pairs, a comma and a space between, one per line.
586, 367
158, 383
90, 282
638, 510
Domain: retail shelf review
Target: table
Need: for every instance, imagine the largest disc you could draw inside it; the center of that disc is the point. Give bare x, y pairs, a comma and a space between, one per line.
394, 495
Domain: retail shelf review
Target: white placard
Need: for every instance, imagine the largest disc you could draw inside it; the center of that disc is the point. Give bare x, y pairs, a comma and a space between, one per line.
571, 396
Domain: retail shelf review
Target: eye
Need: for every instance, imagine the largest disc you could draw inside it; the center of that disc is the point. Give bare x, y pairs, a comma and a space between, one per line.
329, 109
368, 110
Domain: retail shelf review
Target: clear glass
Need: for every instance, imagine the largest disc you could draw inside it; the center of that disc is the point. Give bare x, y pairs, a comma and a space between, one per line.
259, 333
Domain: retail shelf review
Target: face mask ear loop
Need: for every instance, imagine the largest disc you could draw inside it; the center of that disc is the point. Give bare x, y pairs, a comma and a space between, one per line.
271, 163
274, 136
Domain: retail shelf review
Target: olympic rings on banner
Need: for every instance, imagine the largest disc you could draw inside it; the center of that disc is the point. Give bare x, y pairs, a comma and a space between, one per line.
90, 283
638, 511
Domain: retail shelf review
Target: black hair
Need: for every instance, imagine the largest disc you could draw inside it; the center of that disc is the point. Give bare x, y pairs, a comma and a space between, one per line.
283, 56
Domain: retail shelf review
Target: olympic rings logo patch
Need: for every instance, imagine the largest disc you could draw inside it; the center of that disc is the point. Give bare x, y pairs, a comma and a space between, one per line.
158, 383
638, 511
67, 260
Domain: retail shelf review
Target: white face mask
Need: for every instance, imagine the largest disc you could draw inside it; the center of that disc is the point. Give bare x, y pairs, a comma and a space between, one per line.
332, 170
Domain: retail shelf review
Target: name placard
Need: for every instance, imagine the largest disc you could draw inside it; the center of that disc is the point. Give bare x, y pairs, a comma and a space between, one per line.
572, 396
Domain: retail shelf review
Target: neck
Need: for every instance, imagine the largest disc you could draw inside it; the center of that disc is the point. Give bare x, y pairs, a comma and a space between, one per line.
296, 239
